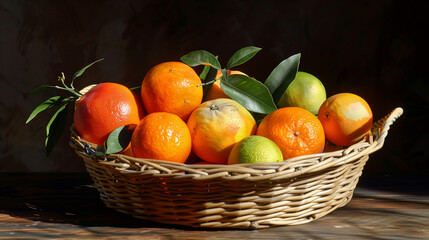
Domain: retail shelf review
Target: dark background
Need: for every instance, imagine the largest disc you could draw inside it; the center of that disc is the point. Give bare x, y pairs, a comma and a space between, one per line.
375, 49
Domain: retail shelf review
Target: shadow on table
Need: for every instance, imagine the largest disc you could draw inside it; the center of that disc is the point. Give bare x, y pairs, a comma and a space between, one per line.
60, 198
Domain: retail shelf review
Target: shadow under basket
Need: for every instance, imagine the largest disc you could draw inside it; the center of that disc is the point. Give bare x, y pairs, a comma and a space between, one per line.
250, 196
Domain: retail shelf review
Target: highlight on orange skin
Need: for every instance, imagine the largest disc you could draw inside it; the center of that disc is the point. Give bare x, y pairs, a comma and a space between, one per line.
346, 118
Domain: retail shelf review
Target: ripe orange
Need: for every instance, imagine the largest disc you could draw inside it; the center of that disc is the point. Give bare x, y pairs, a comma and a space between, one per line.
172, 87
295, 130
217, 92
162, 136
104, 108
346, 118
216, 126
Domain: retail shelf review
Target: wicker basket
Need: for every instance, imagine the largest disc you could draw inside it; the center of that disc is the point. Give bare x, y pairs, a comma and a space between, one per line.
253, 196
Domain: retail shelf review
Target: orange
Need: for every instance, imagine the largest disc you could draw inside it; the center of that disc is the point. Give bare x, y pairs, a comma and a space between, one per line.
162, 136
346, 118
104, 108
216, 126
172, 87
217, 92
295, 130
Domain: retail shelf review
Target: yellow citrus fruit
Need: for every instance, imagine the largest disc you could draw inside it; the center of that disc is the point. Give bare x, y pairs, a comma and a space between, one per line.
255, 149
346, 118
216, 126
305, 91
295, 130
217, 92
172, 87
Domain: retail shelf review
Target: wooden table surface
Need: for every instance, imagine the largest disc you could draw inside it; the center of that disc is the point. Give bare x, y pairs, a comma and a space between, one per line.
66, 205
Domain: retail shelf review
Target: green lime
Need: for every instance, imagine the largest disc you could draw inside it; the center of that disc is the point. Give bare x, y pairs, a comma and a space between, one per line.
305, 91
255, 149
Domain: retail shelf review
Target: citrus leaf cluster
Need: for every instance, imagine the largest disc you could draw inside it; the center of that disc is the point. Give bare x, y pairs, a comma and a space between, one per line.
56, 125
261, 98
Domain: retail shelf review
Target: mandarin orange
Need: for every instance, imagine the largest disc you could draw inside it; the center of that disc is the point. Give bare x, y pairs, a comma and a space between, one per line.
295, 130
172, 87
346, 118
162, 136
103, 108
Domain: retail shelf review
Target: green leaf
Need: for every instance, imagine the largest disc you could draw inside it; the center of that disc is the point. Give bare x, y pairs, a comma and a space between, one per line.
249, 92
208, 80
225, 74
241, 56
135, 88
50, 103
55, 128
200, 57
119, 139
282, 76
80, 72
40, 89
204, 73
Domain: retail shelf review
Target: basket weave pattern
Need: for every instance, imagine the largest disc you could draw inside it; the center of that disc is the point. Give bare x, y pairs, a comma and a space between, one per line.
253, 196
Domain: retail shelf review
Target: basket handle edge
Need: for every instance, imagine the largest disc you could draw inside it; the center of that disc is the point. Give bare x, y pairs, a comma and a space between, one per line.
395, 114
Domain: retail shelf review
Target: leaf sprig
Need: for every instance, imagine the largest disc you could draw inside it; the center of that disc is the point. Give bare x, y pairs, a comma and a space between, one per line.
56, 124
259, 98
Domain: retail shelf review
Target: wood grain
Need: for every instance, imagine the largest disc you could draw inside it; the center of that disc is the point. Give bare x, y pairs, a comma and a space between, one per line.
65, 205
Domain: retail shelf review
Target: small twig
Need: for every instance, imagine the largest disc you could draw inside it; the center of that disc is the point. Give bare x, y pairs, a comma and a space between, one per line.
71, 89
209, 82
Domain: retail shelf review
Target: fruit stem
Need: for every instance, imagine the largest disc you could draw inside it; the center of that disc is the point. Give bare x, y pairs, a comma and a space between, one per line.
213, 107
207, 83
71, 89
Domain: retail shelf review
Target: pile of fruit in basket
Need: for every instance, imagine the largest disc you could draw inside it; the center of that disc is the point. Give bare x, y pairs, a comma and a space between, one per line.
221, 116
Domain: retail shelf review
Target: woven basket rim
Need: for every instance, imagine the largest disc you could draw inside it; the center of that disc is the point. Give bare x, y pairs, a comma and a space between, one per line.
289, 168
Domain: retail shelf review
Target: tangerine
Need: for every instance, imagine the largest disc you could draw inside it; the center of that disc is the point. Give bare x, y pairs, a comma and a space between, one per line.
216, 126
163, 136
295, 130
103, 108
172, 87
346, 118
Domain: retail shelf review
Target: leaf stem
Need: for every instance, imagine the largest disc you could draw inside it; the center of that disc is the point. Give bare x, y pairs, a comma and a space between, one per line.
209, 82
71, 89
